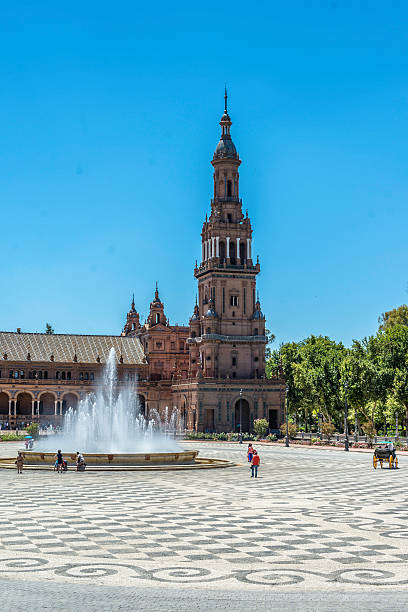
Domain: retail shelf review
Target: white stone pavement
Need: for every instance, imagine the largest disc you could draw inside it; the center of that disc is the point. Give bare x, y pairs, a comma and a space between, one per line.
318, 529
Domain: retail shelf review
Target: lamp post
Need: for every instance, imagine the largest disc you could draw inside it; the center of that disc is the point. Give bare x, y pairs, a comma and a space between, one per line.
396, 426
240, 416
346, 438
287, 417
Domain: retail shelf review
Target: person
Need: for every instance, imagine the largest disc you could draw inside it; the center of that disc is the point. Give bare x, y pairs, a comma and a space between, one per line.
19, 463
80, 462
391, 447
59, 461
250, 452
255, 464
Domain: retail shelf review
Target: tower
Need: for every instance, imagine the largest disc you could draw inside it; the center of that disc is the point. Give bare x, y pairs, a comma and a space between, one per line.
132, 324
156, 314
230, 338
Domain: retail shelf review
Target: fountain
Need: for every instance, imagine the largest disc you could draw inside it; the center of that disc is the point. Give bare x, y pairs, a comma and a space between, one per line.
110, 431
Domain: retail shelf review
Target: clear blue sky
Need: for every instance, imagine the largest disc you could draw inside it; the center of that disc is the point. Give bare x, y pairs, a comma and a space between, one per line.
108, 121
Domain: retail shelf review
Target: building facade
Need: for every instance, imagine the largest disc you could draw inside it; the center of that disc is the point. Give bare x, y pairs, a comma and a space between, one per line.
212, 371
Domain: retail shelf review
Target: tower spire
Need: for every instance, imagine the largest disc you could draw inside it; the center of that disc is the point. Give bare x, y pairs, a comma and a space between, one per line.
225, 99
133, 302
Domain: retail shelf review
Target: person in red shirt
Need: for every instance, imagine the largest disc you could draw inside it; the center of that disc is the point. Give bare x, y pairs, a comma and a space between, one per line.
255, 464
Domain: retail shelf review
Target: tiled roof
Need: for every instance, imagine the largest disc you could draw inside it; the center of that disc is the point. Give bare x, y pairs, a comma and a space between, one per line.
64, 347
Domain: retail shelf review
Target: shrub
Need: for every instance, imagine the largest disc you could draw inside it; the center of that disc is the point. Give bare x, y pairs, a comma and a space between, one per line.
271, 438
292, 430
11, 437
370, 431
315, 440
261, 427
33, 430
328, 429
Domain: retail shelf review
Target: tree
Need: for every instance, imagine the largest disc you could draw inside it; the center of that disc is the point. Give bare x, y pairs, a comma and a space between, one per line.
261, 427
48, 329
397, 316
271, 338
292, 430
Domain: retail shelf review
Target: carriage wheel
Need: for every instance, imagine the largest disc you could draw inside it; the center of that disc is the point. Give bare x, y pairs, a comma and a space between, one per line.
391, 461
381, 462
396, 462
374, 462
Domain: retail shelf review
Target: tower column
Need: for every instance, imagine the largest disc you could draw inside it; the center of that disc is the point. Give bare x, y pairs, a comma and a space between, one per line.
228, 241
209, 249
238, 257
249, 248
217, 246
32, 408
203, 251
213, 247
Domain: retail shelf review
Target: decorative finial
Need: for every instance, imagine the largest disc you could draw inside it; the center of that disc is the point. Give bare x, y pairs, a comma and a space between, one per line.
196, 301
226, 98
156, 293
133, 301
257, 296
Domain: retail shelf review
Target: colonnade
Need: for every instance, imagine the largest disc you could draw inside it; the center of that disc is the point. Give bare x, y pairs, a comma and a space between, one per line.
211, 248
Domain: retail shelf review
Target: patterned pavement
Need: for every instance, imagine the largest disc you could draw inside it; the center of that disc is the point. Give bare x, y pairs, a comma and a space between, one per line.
314, 520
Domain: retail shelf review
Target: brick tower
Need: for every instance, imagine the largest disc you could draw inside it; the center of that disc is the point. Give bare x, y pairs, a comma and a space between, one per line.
231, 336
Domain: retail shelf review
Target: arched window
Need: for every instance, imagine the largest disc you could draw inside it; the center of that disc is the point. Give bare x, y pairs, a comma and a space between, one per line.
255, 331
57, 375
62, 375
233, 252
193, 334
68, 375
133, 325
242, 251
222, 250
158, 317
229, 189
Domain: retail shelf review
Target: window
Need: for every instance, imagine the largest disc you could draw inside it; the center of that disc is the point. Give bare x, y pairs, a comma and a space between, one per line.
81, 376
62, 375
45, 374
255, 331
68, 375
234, 300
234, 375
193, 334
208, 357
229, 217
11, 374
86, 376
158, 345
21, 373
193, 361
234, 361
229, 188
92, 376
57, 375
181, 345
172, 346
208, 330
158, 317
16, 374
256, 359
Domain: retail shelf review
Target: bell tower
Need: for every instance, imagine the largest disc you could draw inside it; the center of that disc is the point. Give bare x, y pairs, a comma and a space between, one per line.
227, 330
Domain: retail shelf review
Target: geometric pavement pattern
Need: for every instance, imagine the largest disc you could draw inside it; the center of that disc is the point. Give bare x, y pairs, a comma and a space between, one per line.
313, 518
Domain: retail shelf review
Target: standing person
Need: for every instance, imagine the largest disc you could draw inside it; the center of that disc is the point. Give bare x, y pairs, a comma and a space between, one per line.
59, 461
19, 463
255, 464
250, 452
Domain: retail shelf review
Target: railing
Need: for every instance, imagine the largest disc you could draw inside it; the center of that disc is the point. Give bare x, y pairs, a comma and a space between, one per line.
340, 437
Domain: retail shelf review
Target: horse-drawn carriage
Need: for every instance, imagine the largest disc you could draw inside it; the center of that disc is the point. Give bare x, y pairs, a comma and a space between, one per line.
385, 455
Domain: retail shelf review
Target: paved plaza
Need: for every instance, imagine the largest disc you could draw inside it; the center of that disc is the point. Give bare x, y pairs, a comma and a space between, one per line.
318, 530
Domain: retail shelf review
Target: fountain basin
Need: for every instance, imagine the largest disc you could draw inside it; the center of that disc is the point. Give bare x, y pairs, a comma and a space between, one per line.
39, 458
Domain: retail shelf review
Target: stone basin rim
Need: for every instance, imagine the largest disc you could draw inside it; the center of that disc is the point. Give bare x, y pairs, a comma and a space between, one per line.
181, 457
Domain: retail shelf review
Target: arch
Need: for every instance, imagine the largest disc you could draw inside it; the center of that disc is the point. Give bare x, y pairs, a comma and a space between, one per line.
244, 410
233, 251
4, 403
157, 317
141, 404
229, 188
69, 400
222, 250
242, 251
47, 404
24, 404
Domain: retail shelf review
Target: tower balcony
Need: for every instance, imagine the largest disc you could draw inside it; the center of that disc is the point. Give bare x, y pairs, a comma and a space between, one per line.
228, 265
235, 199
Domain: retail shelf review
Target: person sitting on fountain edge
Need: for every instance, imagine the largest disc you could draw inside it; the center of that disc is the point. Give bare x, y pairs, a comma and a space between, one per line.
81, 465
